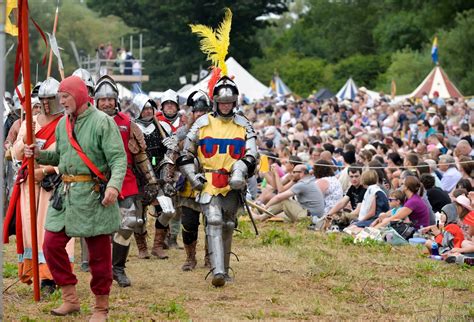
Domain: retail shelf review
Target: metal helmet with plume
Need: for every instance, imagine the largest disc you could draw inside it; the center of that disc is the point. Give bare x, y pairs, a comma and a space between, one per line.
215, 44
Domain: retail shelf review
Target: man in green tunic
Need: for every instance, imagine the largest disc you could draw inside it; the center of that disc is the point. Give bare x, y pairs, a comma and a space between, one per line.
79, 209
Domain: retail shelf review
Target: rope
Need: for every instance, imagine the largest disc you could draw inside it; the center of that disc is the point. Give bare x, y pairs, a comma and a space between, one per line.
363, 167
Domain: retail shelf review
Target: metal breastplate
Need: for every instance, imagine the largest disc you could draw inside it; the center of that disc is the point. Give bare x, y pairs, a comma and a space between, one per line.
155, 149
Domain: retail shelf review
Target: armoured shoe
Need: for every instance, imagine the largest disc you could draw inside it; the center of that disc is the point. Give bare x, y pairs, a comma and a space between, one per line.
142, 246
191, 261
101, 309
70, 301
158, 244
218, 280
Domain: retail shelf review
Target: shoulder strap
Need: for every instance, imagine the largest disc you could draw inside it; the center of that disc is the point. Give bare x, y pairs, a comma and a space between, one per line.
81, 153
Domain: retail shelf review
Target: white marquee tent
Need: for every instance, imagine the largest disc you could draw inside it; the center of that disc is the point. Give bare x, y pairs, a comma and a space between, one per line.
248, 85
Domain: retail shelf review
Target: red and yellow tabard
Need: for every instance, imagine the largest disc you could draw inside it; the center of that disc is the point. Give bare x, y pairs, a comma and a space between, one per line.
220, 144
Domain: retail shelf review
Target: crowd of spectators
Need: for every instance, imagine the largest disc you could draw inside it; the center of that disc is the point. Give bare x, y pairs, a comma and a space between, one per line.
367, 163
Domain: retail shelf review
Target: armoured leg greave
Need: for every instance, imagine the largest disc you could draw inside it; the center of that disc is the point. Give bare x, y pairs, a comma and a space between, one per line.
227, 232
216, 248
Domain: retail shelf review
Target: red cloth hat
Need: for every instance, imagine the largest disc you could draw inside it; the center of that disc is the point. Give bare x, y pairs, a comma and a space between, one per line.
75, 87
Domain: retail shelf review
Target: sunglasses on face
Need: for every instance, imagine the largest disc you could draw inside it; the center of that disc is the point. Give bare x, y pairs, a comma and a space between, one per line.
392, 199
297, 171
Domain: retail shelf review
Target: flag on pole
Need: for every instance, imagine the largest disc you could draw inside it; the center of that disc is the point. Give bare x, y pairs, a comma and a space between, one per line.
434, 50
10, 28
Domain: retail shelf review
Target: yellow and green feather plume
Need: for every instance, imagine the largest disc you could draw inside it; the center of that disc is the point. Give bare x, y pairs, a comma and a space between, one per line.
215, 44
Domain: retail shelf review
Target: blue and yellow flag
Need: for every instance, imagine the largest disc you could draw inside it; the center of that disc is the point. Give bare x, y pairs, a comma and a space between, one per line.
434, 50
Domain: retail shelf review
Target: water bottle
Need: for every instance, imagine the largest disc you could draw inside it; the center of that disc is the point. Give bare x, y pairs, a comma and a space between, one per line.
434, 249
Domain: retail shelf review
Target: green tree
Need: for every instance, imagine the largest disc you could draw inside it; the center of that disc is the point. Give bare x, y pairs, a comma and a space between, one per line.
174, 50
303, 75
364, 70
76, 23
400, 30
455, 49
408, 69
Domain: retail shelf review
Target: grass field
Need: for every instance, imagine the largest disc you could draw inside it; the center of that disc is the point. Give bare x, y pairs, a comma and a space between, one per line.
286, 273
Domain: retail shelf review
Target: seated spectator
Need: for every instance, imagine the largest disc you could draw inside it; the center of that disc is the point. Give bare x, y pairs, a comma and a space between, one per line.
269, 190
394, 160
463, 148
375, 200
466, 167
396, 199
464, 184
383, 182
447, 233
434, 172
451, 175
348, 158
465, 253
410, 162
354, 196
328, 184
437, 197
310, 200
414, 208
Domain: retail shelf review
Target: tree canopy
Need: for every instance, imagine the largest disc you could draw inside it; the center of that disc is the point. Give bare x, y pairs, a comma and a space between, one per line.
310, 43
76, 23
173, 50
373, 41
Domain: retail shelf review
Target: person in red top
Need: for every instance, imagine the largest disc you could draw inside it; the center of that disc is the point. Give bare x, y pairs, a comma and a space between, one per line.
133, 218
465, 253
447, 234
18, 212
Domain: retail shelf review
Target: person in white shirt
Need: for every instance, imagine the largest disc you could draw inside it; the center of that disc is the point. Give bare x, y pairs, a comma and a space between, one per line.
451, 174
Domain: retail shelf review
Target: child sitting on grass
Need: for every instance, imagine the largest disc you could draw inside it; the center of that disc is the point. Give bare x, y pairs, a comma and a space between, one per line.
447, 234
396, 200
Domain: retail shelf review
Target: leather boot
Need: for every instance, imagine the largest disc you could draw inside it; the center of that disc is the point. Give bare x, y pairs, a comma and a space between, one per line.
191, 261
101, 309
70, 301
158, 244
119, 257
142, 246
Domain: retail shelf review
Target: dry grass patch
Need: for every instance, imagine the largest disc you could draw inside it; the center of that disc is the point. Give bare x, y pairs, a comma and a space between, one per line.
286, 273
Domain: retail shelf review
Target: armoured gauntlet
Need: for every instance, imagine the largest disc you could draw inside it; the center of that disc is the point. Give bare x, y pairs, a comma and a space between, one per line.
144, 166
187, 167
167, 175
240, 170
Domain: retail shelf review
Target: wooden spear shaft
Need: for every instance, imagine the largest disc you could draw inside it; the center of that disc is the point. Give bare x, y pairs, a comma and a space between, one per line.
29, 140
